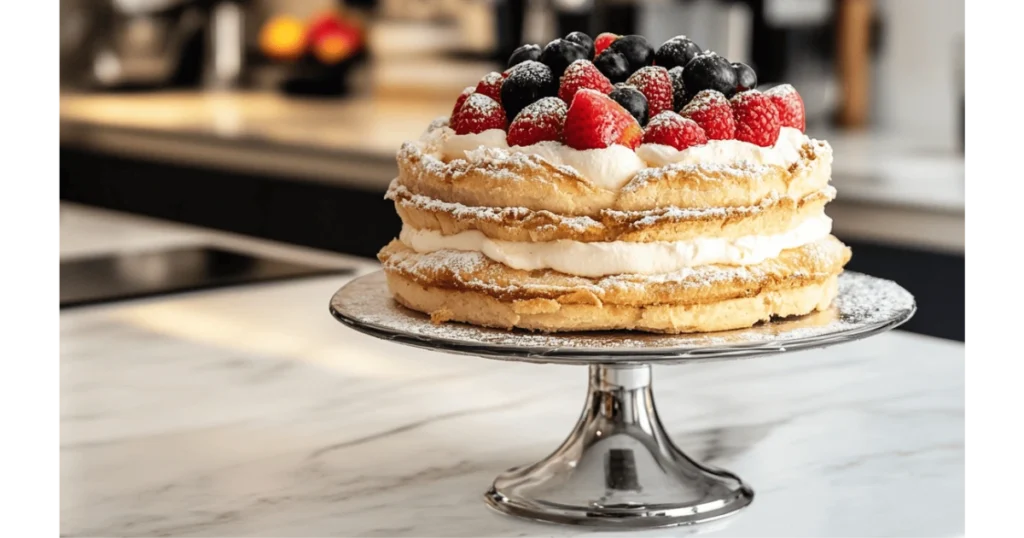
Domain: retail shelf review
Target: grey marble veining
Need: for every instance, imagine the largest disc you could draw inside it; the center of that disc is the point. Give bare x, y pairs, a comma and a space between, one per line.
250, 412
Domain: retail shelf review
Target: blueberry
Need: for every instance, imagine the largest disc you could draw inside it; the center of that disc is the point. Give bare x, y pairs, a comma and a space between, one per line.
632, 100
524, 53
560, 53
582, 39
678, 87
636, 49
709, 71
613, 65
526, 83
746, 78
677, 51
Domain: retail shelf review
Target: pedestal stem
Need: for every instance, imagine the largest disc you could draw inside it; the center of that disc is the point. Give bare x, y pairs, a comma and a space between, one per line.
618, 467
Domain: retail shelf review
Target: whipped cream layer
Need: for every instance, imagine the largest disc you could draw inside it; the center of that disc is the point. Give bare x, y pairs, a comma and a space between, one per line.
614, 166
785, 152
621, 257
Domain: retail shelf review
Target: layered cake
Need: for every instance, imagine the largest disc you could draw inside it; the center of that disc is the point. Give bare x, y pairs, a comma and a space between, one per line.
605, 184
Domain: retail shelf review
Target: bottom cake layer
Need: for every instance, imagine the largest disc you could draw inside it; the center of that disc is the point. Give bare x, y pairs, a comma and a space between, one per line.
445, 304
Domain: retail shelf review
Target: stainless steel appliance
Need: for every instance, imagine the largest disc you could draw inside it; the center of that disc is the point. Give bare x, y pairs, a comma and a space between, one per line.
148, 43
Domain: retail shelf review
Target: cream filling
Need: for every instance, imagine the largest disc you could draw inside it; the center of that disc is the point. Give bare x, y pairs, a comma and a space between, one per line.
614, 166
621, 257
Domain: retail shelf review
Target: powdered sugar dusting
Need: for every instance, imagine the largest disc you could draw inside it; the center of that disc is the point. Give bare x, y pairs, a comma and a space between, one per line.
479, 104
865, 306
531, 71
746, 170
651, 74
704, 100
547, 107
636, 219
401, 194
782, 90
439, 122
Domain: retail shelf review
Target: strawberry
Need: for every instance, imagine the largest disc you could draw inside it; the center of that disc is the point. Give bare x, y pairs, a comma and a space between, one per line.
655, 83
602, 42
462, 98
757, 120
594, 121
671, 129
540, 121
790, 106
582, 74
478, 114
490, 85
711, 110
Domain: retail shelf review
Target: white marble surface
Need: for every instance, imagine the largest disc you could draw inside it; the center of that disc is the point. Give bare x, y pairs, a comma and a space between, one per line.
250, 412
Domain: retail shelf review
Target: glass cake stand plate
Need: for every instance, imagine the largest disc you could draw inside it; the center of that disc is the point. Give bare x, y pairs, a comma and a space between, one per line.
619, 468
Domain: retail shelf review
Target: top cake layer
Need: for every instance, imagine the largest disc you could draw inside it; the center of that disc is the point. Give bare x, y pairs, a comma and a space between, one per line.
586, 126
483, 170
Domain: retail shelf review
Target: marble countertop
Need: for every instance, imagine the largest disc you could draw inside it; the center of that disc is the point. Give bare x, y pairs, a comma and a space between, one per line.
251, 412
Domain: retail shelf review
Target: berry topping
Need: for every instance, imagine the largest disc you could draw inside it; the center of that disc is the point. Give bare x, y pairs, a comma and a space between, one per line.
653, 81
676, 52
462, 98
636, 49
632, 100
490, 85
671, 129
678, 87
711, 110
559, 53
583, 40
526, 83
613, 65
757, 121
595, 121
602, 42
790, 106
709, 71
538, 122
523, 54
582, 74
478, 114
746, 78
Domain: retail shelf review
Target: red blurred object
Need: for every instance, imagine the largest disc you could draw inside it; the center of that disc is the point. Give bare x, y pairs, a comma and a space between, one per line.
333, 37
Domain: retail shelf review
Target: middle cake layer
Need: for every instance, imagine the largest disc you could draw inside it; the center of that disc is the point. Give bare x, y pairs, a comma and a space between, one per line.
769, 216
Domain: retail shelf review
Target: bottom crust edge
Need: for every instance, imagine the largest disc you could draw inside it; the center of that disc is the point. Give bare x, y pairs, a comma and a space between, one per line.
477, 308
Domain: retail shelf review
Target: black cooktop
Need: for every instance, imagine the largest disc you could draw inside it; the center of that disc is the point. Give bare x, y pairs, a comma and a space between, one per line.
118, 277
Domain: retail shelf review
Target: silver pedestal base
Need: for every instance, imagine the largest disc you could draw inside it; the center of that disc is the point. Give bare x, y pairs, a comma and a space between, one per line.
618, 467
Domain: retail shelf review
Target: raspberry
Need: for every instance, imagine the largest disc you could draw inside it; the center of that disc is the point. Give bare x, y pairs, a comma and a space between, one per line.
671, 129
656, 85
603, 41
540, 121
757, 121
790, 106
478, 114
490, 85
711, 110
582, 74
462, 99
594, 120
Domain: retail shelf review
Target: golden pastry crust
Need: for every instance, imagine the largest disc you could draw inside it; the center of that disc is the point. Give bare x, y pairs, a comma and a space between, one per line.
474, 272
495, 177
770, 216
444, 305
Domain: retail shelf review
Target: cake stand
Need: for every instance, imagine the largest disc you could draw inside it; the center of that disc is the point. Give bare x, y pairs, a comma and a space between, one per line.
618, 468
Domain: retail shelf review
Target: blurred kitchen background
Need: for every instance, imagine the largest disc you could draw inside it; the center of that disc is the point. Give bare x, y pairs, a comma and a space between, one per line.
279, 119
